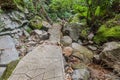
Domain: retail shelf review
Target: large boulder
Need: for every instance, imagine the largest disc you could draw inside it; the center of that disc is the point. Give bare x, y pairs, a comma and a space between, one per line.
111, 56
66, 40
81, 74
74, 30
8, 51
82, 52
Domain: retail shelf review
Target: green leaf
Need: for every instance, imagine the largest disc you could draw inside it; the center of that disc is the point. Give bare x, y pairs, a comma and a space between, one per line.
97, 11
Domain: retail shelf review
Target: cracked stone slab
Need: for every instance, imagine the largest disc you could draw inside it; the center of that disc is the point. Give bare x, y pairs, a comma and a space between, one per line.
45, 62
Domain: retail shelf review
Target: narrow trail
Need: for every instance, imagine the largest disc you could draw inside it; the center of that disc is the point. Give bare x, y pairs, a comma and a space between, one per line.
45, 62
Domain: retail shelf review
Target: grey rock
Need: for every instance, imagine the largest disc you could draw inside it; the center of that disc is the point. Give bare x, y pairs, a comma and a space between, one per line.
32, 43
38, 32
90, 36
73, 30
46, 24
81, 74
88, 54
8, 24
7, 49
45, 36
16, 15
90, 42
92, 47
12, 33
111, 56
2, 69
5, 33
66, 40
17, 32
12, 19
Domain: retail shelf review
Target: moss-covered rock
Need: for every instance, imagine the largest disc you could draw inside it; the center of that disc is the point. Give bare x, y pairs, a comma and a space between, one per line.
109, 30
10, 67
36, 22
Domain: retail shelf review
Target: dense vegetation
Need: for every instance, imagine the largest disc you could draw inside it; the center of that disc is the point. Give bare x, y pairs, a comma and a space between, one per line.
93, 13
98, 17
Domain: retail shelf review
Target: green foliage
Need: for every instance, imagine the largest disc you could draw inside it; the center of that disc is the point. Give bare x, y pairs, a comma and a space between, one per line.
105, 33
10, 67
89, 9
109, 30
36, 22
33, 6
20, 4
97, 11
63, 8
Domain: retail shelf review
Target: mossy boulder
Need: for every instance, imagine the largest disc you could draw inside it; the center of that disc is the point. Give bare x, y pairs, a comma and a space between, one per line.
10, 67
109, 30
36, 22
82, 53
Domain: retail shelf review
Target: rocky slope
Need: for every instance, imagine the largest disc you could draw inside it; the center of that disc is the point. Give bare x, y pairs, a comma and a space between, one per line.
83, 59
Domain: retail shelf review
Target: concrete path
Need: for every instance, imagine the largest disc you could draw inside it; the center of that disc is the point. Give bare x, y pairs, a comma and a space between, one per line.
44, 63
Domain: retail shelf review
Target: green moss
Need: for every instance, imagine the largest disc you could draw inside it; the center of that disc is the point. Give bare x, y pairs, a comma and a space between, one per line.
10, 67
20, 4
36, 22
